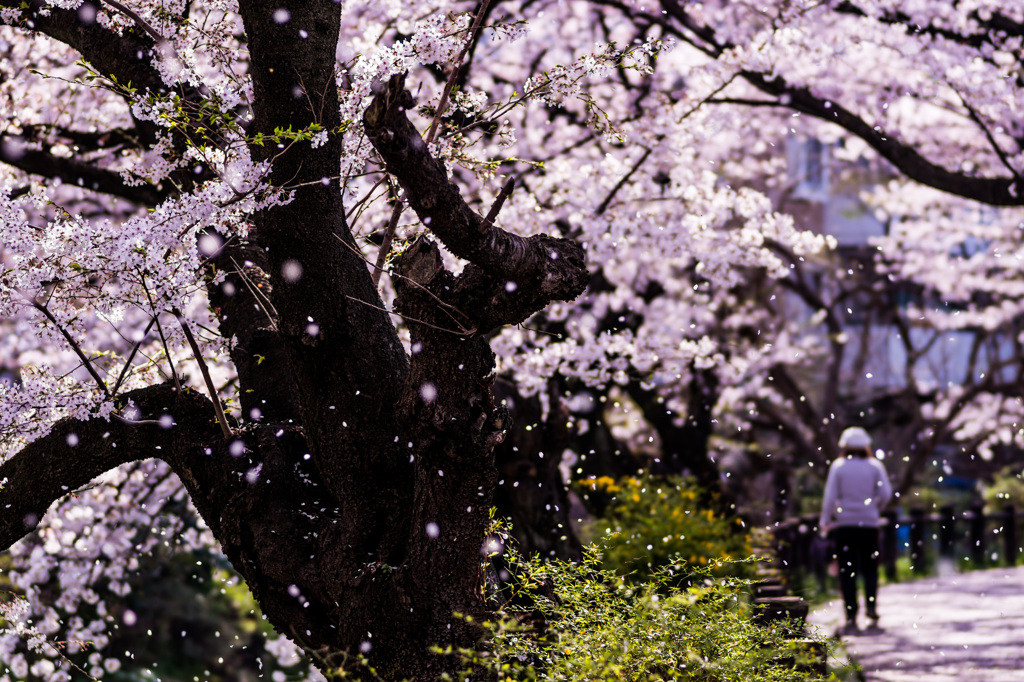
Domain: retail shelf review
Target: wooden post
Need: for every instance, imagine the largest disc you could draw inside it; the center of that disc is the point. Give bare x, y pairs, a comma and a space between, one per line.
889, 548
770, 589
785, 534
977, 535
918, 557
808, 531
1010, 547
947, 529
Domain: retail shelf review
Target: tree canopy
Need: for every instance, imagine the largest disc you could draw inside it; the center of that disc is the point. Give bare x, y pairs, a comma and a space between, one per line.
268, 257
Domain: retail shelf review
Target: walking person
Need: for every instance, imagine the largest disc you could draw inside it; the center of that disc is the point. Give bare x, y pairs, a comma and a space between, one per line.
856, 491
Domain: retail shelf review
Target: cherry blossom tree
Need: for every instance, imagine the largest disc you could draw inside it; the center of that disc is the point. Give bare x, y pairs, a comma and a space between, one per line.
353, 493
268, 256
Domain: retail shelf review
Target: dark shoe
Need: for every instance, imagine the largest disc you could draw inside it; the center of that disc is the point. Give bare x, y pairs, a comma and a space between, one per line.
873, 617
850, 628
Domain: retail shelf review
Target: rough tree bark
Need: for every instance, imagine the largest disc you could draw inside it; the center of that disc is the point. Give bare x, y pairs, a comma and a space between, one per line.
357, 510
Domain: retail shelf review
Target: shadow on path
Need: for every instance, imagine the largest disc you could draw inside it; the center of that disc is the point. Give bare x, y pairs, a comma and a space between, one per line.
967, 627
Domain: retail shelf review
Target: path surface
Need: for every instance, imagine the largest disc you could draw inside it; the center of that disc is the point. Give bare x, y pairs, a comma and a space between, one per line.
965, 627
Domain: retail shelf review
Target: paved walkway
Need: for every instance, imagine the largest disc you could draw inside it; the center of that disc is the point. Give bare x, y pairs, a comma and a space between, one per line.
965, 627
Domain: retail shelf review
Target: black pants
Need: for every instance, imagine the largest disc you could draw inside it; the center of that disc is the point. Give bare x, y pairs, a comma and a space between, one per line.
857, 553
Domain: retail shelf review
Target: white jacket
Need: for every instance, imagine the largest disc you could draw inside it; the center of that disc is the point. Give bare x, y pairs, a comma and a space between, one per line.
855, 492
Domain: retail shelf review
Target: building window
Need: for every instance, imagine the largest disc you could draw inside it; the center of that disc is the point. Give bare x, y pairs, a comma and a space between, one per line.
808, 167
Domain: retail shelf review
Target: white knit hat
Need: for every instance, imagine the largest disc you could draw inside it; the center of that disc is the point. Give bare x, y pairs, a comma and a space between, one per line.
855, 437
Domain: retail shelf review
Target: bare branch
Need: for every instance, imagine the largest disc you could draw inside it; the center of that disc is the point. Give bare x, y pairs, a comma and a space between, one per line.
622, 181
221, 419
994, 191
385, 246
137, 19
396, 213
71, 341
160, 330
74, 172
988, 133
499, 201
131, 356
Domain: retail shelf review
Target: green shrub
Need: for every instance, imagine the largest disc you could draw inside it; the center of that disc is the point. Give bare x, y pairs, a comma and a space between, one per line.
1006, 487
575, 621
651, 523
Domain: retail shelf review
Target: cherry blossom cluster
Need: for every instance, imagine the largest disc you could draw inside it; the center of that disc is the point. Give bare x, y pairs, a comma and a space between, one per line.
86, 551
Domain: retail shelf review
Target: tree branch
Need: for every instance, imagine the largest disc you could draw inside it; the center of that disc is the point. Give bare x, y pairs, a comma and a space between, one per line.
157, 38
992, 191
622, 181
75, 452
127, 57
997, 22
499, 201
84, 141
972, 112
71, 342
773, 415
385, 245
442, 103
131, 356
74, 172
198, 354
108, 52
550, 267
788, 388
